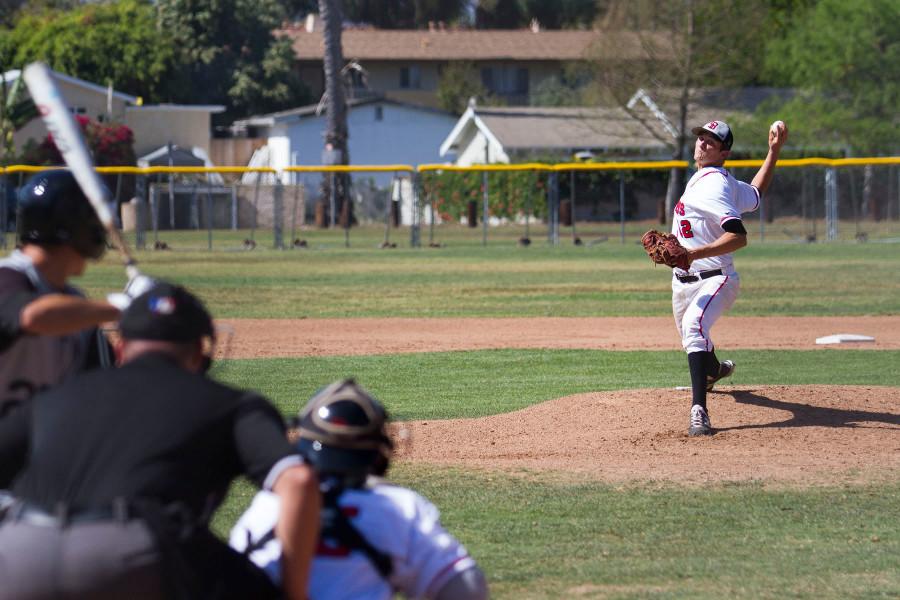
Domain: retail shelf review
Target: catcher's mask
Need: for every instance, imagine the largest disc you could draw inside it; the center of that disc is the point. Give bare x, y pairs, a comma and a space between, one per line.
342, 434
53, 210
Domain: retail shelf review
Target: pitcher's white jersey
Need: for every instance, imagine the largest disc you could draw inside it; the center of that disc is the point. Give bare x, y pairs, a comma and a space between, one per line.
393, 519
712, 197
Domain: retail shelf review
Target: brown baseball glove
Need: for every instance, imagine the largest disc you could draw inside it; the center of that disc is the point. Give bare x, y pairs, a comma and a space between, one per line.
664, 249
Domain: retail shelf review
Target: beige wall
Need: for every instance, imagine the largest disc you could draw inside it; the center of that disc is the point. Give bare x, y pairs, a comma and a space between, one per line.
153, 127
156, 128
91, 103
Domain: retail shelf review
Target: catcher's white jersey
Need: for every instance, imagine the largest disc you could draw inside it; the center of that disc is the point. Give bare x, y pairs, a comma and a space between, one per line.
395, 520
712, 197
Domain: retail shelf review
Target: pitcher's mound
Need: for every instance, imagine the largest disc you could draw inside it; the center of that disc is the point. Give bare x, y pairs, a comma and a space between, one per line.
810, 434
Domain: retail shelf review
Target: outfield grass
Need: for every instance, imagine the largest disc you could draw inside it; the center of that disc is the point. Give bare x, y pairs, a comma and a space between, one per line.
503, 280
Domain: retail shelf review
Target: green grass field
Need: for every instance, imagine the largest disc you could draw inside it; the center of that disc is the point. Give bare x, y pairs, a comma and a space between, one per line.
540, 535
462, 279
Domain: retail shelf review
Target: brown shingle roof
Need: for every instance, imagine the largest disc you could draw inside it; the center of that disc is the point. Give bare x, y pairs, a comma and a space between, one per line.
380, 44
564, 128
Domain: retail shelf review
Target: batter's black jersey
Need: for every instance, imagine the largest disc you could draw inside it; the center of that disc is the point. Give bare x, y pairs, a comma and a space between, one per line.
29, 363
147, 430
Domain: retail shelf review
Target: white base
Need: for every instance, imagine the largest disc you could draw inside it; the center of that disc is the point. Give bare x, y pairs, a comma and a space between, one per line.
842, 338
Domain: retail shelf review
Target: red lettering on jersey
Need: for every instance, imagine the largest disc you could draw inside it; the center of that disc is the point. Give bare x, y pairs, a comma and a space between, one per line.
679, 208
332, 548
685, 229
333, 551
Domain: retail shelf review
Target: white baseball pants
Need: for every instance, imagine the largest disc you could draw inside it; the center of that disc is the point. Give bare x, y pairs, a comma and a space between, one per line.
698, 305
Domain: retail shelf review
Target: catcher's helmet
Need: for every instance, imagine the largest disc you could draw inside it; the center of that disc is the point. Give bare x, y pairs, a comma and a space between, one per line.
52, 209
342, 433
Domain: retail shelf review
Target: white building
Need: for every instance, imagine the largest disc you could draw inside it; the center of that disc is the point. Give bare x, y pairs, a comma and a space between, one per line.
381, 132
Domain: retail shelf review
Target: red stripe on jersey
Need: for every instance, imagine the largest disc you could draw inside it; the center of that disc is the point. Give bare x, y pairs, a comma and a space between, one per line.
727, 218
700, 322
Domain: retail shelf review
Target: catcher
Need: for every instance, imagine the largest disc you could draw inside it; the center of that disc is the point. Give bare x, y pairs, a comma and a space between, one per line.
706, 230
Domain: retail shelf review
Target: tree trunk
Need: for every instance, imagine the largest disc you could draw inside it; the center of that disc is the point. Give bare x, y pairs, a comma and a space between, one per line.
336, 134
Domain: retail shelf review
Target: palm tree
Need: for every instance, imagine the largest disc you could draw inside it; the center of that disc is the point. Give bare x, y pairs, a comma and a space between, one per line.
336, 109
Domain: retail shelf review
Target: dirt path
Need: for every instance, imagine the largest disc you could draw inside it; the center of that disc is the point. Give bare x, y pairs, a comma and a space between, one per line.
316, 337
787, 434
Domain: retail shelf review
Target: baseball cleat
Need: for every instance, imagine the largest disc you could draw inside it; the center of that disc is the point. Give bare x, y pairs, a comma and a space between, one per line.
700, 424
726, 368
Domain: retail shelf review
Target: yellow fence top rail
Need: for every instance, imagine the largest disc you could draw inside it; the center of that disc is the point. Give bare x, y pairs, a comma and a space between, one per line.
426, 168
348, 168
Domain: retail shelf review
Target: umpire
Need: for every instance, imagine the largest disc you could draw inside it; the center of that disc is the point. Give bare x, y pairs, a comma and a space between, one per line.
123, 468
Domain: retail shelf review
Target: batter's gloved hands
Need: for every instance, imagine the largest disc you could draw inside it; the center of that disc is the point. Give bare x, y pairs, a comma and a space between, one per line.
665, 249
136, 286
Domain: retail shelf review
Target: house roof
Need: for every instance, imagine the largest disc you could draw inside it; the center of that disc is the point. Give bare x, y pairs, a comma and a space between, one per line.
16, 73
314, 110
555, 128
11, 76
463, 44
647, 127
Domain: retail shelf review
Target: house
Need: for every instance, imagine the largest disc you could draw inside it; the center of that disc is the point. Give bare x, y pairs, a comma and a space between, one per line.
154, 125
381, 131
407, 64
486, 135
644, 130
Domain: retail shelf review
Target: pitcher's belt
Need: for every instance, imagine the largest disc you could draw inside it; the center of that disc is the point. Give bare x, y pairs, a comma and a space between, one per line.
692, 277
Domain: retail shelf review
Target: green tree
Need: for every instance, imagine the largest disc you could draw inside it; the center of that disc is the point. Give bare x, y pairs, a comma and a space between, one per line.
501, 14
16, 109
403, 14
672, 51
226, 53
116, 43
459, 81
563, 14
844, 59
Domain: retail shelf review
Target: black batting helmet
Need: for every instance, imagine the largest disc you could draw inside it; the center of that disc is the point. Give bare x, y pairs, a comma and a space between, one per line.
342, 433
52, 209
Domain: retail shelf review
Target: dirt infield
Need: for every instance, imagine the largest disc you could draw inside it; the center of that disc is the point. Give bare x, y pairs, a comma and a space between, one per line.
258, 338
790, 434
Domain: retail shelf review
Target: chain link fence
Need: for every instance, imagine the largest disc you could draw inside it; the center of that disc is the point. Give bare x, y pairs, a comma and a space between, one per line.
242, 208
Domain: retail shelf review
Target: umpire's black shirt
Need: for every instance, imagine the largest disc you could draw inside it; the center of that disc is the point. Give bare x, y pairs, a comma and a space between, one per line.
146, 430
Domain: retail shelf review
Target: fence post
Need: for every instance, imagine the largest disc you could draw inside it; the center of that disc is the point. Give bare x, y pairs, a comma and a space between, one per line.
154, 213
622, 206
209, 212
553, 207
278, 214
485, 208
171, 200
255, 206
140, 193
831, 203
572, 211
3, 211
414, 234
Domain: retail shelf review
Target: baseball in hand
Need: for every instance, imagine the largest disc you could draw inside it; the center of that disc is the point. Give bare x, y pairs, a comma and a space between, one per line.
777, 127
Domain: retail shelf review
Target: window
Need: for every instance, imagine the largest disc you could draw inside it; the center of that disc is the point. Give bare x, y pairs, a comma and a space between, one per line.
505, 80
410, 77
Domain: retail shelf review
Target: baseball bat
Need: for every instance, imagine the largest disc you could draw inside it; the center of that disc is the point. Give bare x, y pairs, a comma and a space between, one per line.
62, 126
